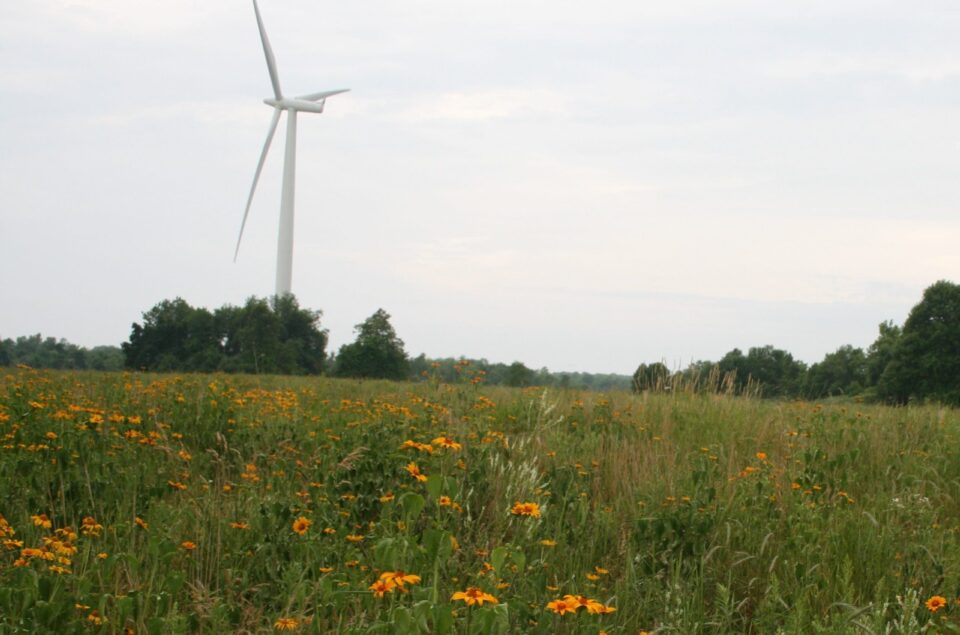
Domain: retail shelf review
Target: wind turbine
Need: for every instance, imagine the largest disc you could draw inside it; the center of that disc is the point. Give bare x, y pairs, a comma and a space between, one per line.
304, 103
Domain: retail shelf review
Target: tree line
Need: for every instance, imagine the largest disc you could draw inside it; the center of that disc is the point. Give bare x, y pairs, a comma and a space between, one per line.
37, 351
276, 336
919, 361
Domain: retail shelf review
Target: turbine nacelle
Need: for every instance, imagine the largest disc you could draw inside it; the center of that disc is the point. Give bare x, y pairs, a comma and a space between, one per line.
307, 103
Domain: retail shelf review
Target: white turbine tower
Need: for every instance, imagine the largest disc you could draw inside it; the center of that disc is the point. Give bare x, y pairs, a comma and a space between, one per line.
307, 103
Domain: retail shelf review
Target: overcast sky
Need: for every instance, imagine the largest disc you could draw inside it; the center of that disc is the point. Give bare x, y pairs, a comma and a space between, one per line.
583, 186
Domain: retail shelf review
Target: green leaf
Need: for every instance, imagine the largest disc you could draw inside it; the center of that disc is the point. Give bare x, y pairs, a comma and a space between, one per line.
519, 559
442, 620
497, 557
384, 553
402, 620
421, 613
412, 504
434, 486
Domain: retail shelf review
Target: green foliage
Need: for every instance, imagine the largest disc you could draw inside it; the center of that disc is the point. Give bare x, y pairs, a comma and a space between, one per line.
498, 374
519, 375
263, 336
655, 377
775, 369
689, 513
376, 353
174, 336
105, 358
925, 362
37, 351
843, 372
920, 361
881, 351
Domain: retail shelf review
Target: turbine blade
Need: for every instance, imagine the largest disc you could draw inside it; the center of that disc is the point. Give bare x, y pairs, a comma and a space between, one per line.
256, 176
322, 95
268, 53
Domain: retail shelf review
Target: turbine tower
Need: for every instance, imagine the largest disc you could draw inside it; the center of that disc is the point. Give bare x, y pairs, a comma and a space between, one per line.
305, 103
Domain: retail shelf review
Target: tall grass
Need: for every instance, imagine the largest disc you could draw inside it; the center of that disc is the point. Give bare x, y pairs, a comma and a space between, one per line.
688, 511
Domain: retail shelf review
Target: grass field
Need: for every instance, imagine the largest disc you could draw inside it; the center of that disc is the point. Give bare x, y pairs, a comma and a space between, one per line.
225, 504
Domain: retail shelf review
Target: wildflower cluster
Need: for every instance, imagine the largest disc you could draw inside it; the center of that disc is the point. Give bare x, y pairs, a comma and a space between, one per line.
573, 603
393, 580
525, 509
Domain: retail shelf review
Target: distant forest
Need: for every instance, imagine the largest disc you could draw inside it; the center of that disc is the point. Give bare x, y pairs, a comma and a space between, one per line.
37, 351
918, 361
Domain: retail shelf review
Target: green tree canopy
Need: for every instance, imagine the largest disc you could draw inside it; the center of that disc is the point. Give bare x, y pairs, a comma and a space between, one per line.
655, 377
263, 336
37, 351
105, 358
925, 361
881, 351
174, 336
376, 353
519, 375
774, 369
843, 372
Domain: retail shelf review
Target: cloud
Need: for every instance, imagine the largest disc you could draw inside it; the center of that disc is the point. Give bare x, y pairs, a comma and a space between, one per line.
143, 17
489, 104
216, 113
821, 64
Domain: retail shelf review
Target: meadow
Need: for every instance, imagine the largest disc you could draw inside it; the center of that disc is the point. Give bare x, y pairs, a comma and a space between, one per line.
136, 503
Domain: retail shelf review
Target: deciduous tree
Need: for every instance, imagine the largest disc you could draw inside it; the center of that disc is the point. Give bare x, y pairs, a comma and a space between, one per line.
376, 353
925, 362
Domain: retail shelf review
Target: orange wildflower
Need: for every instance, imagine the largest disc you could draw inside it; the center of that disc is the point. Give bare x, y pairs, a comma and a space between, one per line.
525, 509
472, 596
448, 443
413, 445
562, 607
578, 601
399, 578
380, 587
301, 525
90, 527
285, 624
415, 472
598, 608
935, 603
96, 618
